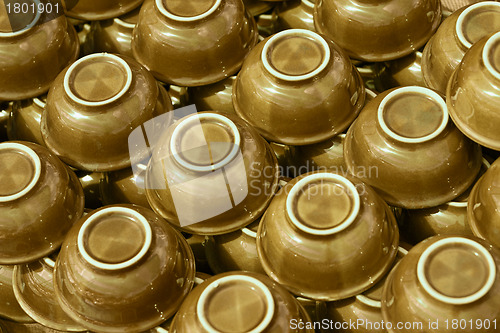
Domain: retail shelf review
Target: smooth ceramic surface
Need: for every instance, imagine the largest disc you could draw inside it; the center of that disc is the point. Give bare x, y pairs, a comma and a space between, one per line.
217, 96
235, 251
40, 200
406, 71
473, 93
124, 186
193, 43
447, 219
450, 6
24, 120
483, 206
33, 285
35, 48
365, 308
197, 244
91, 182
239, 302
306, 251
455, 36
211, 174
122, 268
92, 10
378, 30
257, 7
93, 107
114, 35
283, 74
404, 146
9, 307
297, 14
455, 277
323, 156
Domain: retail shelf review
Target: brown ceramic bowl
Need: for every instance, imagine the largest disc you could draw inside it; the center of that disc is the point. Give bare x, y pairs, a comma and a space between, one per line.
239, 302
257, 7
298, 88
35, 47
483, 206
234, 251
33, 285
40, 200
314, 224
364, 309
90, 182
191, 42
403, 145
406, 71
297, 14
442, 281
287, 159
325, 156
9, 307
217, 96
383, 30
114, 35
447, 219
93, 10
25, 118
474, 89
455, 36
122, 268
197, 244
93, 107
210, 174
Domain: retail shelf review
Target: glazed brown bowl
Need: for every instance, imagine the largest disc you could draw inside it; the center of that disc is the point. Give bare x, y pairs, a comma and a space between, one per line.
383, 30
9, 307
123, 186
327, 237
192, 43
211, 174
482, 206
239, 302
90, 183
442, 281
217, 96
40, 200
122, 268
474, 89
405, 147
406, 71
297, 88
234, 251
93, 107
33, 285
35, 47
297, 14
25, 118
327, 155
455, 36
257, 7
93, 10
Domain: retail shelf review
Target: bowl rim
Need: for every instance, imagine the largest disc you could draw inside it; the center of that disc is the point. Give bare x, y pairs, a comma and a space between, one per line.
459, 26
160, 5
27, 27
485, 55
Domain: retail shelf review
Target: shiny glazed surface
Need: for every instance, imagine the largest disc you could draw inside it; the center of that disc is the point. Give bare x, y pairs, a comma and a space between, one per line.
217, 96
29, 71
378, 30
24, 121
123, 186
410, 175
36, 224
9, 307
95, 138
328, 267
299, 112
133, 299
184, 53
297, 14
286, 308
92, 10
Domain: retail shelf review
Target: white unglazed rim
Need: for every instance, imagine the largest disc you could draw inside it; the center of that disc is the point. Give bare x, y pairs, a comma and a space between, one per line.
413, 89
49, 262
249, 232
308, 3
371, 302
486, 59
197, 118
295, 32
148, 236
323, 176
115, 58
38, 102
200, 306
460, 21
161, 7
463, 204
26, 28
35, 159
123, 23
456, 300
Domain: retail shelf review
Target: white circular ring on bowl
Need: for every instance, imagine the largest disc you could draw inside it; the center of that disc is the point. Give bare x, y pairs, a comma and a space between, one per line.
29, 26
323, 176
456, 300
413, 89
263, 289
115, 58
161, 7
148, 236
460, 21
486, 50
